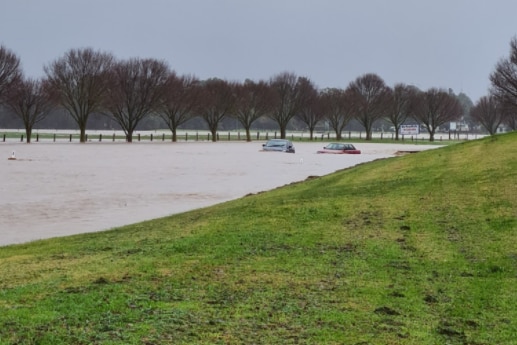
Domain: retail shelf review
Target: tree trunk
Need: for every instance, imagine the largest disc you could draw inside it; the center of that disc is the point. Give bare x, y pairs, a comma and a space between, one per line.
282, 133
82, 138
174, 135
28, 132
338, 134
248, 134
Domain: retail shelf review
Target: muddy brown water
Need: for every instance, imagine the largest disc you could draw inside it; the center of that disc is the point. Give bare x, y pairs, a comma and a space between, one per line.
59, 189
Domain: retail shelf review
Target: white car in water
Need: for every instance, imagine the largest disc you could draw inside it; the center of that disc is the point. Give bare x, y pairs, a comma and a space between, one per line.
280, 145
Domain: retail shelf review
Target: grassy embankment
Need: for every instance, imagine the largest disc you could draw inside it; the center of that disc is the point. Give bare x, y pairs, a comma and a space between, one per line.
418, 249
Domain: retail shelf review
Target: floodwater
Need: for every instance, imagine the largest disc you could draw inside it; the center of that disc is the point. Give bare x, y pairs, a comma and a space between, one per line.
59, 189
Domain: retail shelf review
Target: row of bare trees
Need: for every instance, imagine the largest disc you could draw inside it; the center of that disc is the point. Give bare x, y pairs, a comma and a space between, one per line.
86, 82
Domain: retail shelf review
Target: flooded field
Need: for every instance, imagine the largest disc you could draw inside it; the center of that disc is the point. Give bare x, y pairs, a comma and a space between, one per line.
59, 189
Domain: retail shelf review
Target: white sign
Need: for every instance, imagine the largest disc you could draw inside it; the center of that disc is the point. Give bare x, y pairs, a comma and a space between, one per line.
409, 130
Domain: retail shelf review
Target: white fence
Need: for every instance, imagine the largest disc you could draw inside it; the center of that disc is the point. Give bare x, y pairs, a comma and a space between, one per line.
48, 135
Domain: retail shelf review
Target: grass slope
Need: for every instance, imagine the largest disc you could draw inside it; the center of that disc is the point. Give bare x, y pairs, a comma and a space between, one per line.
418, 249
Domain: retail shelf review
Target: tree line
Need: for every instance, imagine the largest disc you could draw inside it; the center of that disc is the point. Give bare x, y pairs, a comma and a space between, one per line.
86, 83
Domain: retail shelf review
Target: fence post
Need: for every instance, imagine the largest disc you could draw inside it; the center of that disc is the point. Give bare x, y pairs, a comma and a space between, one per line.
21, 139
275, 134
151, 136
267, 135
100, 137
70, 137
238, 135
37, 137
54, 137
4, 138
113, 136
217, 136
258, 135
138, 136
228, 136
163, 136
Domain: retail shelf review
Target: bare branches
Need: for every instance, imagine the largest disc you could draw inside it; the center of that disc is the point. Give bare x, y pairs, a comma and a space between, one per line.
337, 108
489, 113
79, 79
287, 99
311, 111
31, 101
10, 71
435, 107
136, 88
398, 105
369, 98
253, 100
179, 99
504, 83
217, 100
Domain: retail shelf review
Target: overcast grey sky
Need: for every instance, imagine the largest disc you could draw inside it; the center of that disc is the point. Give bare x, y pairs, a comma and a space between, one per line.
433, 43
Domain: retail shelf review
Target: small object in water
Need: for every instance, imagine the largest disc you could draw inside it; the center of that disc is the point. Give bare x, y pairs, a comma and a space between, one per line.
13, 157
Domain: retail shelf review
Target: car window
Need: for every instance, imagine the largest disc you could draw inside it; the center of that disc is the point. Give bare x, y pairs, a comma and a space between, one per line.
275, 143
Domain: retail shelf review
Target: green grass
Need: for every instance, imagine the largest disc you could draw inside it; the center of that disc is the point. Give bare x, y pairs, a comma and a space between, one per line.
418, 249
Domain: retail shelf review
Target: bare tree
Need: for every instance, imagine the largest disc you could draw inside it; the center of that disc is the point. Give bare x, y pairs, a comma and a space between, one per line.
398, 106
136, 87
337, 108
79, 79
509, 115
504, 82
311, 112
10, 70
286, 99
179, 100
253, 100
488, 113
217, 100
369, 98
434, 108
31, 101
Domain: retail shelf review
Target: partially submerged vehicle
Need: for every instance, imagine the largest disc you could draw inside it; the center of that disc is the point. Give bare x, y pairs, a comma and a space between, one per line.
340, 148
279, 145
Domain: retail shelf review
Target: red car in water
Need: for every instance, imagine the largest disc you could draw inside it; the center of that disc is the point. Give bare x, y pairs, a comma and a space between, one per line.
340, 148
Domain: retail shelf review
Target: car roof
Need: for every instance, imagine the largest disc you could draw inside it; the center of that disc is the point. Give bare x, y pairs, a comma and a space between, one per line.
283, 140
